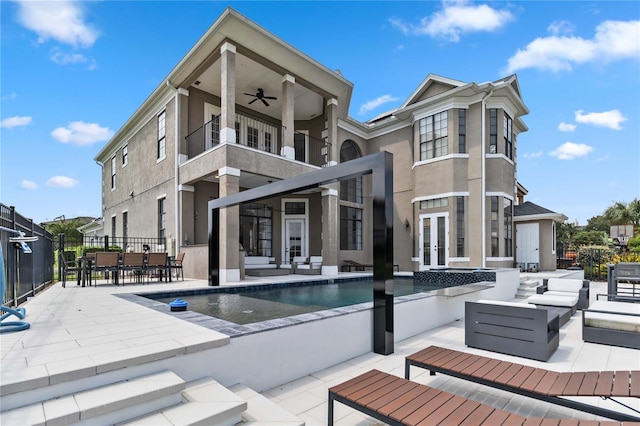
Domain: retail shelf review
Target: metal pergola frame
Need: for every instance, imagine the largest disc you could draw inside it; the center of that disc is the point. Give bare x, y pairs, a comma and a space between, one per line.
380, 166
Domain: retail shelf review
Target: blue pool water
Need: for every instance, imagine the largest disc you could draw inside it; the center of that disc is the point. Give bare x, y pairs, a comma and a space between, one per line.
254, 305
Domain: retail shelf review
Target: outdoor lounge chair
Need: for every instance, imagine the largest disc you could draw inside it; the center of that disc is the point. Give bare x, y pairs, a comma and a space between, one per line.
352, 265
397, 401
314, 267
538, 383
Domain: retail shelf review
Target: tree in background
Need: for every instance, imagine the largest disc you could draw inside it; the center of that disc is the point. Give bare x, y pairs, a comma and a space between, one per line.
598, 223
67, 227
621, 213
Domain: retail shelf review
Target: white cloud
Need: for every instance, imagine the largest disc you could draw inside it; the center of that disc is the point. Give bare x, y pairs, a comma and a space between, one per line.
610, 119
65, 58
16, 121
9, 97
375, 103
570, 150
456, 18
566, 127
81, 133
613, 40
62, 21
29, 185
533, 154
62, 182
560, 27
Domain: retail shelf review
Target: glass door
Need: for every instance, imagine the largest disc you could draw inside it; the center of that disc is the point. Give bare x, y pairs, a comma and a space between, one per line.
434, 240
294, 239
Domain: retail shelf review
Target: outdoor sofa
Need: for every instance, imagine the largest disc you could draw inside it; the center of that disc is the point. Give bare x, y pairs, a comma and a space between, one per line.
512, 328
262, 266
553, 291
614, 322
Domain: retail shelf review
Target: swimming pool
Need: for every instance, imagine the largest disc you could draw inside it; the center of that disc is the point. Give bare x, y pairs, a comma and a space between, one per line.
262, 303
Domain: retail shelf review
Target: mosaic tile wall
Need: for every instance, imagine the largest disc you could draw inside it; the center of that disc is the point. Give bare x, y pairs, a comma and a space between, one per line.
448, 278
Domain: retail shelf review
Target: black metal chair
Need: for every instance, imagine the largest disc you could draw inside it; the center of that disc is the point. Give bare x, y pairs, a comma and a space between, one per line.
108, 262
69, 266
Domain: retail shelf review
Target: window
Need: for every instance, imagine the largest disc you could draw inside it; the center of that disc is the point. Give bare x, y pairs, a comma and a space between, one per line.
460, 226
350, 189
237, 132
267, 141
162, 217
125, 229
294, 208
113, 226
493, 131
494, 227
433, 136
436, 202
508, 227
256, 229
113, 172
462, 131
300, 145
508, 136
162, 146
125, 155
252, 137
350, 228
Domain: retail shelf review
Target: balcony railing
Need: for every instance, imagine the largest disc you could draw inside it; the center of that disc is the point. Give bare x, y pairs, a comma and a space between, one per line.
259, 134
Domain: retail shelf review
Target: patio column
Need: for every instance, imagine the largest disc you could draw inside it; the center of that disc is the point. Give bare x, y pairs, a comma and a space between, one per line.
288, 106
330, 235
227, 93
332, 132
229, 183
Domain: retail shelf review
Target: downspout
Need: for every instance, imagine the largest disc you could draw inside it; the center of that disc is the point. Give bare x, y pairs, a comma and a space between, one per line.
483, 173
176, 172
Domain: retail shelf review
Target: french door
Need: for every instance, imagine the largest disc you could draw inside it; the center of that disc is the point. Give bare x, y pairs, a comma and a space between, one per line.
294, 239
434, 240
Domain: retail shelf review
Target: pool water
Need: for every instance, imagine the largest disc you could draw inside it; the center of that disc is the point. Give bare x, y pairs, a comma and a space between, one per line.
283, 301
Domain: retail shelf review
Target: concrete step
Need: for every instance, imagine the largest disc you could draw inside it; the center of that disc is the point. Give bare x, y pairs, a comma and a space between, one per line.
204, 402
108, 404
261, 411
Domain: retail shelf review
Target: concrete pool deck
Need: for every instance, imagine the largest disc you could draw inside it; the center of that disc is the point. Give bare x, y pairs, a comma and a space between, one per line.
85, 334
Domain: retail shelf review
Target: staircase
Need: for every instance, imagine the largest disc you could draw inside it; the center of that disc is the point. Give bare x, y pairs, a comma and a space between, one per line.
154, 399
527, 287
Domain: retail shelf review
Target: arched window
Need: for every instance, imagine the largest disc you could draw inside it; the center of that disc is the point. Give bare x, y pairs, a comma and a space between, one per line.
350, 189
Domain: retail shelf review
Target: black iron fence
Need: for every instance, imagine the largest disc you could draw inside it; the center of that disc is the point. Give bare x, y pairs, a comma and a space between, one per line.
27, 271
592, 260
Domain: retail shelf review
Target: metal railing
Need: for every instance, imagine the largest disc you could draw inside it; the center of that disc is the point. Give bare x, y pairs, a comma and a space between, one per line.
26, 273
259, 134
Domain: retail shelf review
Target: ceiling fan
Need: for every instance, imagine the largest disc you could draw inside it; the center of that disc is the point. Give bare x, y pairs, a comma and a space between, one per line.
260, 95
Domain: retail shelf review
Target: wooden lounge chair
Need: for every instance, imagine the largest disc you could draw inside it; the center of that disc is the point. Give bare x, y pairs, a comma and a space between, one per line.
397, 401
352, 265
538, 383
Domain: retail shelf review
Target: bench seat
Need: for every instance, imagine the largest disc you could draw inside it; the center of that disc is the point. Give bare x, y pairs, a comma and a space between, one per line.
612, 322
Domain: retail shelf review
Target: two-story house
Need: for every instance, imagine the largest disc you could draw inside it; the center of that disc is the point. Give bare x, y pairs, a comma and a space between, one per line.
244, 108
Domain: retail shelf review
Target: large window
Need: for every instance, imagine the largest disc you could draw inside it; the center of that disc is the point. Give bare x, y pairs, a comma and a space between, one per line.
433, 136
350, 228
462, 131
113, 172
350, 189
493, 131
508, 136
435, 203
256, 229
162, 217
162, 144
125, 229
494, 227
113, 226
508, 227
460, 226
252, 137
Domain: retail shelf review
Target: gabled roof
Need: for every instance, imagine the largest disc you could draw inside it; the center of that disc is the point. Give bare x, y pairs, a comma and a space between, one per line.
431, 78
532, 211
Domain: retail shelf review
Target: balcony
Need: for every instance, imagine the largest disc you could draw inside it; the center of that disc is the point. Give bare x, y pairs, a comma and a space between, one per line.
259, 134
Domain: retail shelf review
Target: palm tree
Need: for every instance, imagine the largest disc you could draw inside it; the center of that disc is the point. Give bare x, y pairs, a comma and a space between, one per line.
621, 213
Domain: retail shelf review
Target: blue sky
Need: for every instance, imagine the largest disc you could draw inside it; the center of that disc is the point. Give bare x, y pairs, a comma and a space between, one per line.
73, 72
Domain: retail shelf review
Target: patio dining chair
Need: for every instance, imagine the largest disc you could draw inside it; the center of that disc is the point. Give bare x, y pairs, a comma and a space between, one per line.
69, 266
176, 264
107, 262
158, 263
134, 264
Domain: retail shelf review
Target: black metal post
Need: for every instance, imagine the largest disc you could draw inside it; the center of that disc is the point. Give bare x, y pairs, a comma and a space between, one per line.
61, 258
214, 248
